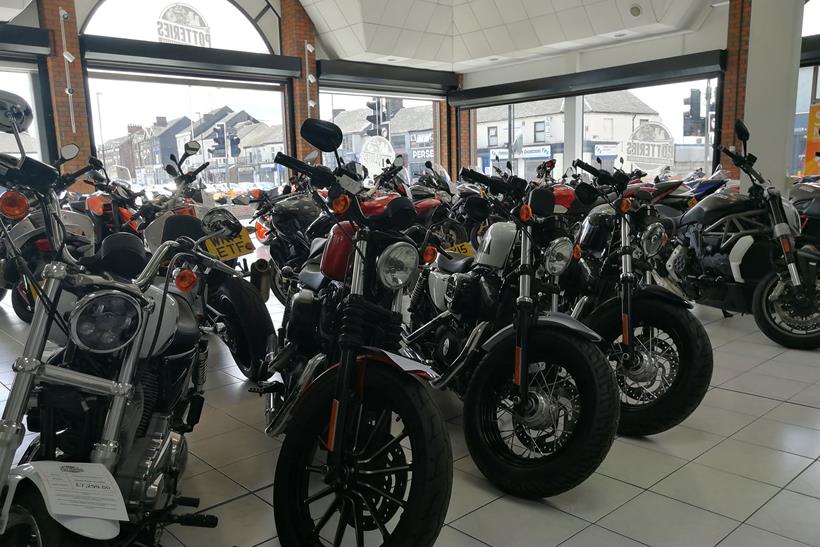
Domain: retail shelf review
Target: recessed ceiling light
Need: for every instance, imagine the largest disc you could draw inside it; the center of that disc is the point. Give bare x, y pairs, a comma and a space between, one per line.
493, 59
635, 10
619, 35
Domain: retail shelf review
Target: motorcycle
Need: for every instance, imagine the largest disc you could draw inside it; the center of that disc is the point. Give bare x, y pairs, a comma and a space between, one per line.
540, 402
805, 195
111, 407
660, 352
365, 446
738, 252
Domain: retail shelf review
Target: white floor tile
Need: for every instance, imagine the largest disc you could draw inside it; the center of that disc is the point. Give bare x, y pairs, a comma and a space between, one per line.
730, 495
255, 472
718, 420
663, 522
595, 536
808, 482
450, 537
511, 522
637, 465
809, 396
469, 493
749, 536
801, 357
682, 442
802, 441
727, 359
739, 402
755, 462
243, 522
594, 498
750, 349
212, 488
765, 386
243, 442
791, 371
791, 515
789, 413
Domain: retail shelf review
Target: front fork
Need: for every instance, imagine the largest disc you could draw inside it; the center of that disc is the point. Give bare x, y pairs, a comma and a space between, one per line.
783, 233
523, 322
346, 395
627, 281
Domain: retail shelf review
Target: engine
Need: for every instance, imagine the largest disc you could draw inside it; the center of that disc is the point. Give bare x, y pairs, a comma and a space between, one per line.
473, 295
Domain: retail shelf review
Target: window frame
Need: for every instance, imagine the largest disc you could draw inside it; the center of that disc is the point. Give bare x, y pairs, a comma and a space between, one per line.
492, 133
542, 131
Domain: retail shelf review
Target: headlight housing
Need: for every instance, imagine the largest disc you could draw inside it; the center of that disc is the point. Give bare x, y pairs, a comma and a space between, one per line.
396, 265
105, 321
557, 256
653, 239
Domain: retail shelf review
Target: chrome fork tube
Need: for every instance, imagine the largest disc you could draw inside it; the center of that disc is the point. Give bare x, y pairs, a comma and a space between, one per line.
357, 282
106, 451
25, 368
526, 260
626, 258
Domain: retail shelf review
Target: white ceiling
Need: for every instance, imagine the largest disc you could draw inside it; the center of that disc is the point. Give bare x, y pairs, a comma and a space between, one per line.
466, 35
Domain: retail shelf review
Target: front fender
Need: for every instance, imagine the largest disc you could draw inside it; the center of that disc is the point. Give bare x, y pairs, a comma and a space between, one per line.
90, 527
543, 323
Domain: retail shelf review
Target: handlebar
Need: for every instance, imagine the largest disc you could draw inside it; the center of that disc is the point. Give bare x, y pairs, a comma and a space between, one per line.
580, 164
193, 174
319, 177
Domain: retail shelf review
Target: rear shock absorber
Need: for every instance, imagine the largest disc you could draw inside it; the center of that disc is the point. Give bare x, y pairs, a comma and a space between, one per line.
201, 371
418, 290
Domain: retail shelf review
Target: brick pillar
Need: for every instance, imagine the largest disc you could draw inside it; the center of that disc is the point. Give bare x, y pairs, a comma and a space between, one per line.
734, 80
296, 30
49, 12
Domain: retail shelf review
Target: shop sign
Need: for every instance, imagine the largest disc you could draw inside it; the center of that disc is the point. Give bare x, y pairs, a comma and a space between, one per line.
606, 150
421, 139
182, 24
422, 153
528, 152
812, 162
651, 145
375, 153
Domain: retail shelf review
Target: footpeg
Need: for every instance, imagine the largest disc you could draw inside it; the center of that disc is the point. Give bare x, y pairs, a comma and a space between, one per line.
186, 501
263, 388
194, 519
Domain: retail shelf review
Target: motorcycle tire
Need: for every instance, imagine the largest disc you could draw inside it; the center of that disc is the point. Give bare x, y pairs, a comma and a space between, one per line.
3, 293
29, 514
23, 309
580, 454
694, 364
766, 324
425, 506
277, 286
248, 326
451, 232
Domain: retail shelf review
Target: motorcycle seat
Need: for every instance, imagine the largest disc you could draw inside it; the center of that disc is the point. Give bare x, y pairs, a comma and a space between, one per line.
671, 224
457, 264
187, 333
312, 277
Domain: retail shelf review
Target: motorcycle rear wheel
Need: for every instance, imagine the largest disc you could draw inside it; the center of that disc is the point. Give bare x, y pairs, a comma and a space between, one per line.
537, 458
771, 323
375, 494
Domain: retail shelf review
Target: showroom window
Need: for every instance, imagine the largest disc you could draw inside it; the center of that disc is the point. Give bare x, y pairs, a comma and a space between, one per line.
20, 80
808, 99
537, 129
653, 127
377, 128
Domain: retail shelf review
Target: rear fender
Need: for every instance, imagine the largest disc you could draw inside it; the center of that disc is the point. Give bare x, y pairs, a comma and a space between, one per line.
94, 528
543, 324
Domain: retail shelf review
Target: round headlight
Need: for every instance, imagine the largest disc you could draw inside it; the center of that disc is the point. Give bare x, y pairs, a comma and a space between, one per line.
558, 255
105, 321
397, 264
653, 239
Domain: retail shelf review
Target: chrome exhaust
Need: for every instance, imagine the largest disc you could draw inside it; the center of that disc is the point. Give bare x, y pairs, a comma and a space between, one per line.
261, 277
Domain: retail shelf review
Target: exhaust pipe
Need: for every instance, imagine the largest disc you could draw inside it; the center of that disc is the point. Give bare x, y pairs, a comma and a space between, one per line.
261, 277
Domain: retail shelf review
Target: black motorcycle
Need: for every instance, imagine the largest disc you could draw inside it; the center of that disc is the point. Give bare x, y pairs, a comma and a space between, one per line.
660, 352
739, 253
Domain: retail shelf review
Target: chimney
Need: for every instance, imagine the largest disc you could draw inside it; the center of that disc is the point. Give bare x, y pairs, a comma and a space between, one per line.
134, 128
162, 121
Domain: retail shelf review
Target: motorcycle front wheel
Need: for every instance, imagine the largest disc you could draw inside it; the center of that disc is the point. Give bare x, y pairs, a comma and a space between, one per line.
395, 488
675, 366
30, 524
567, 429
783, 318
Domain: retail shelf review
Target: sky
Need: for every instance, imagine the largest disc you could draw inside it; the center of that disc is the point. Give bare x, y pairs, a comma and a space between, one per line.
811, 18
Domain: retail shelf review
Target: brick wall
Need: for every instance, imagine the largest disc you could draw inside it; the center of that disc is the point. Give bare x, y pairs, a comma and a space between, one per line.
296, 29
734, 82
49, 12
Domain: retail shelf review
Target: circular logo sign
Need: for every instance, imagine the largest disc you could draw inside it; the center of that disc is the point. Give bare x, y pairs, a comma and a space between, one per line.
651, 146
375, 153
182, 24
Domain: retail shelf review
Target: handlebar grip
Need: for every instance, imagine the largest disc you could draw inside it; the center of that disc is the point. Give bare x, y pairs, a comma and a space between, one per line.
586, 167
79, 173
292, 163
474, 176
199, 169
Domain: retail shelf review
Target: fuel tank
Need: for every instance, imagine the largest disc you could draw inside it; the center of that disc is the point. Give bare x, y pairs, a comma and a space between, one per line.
716, 206
496, 245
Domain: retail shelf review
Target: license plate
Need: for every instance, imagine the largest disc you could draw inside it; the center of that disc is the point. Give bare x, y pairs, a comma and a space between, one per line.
692, 202
461, 248
228, 249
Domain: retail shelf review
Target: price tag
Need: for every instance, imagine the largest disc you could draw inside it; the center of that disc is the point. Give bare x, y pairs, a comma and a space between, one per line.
81, 490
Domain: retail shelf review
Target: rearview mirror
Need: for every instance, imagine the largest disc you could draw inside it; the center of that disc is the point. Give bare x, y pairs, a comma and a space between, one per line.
741, 131
509, 165
15, 112
586, 193
477, 208
428, 164
68, 152
191, 148
173, 158
542, 202
399, 162
321, 134
171, 170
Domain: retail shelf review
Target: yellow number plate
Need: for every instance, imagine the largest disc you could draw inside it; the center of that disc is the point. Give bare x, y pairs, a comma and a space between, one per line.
228, 249
462, 248
692, 202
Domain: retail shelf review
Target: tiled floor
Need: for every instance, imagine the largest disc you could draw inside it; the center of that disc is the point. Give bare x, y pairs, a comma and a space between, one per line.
742, 471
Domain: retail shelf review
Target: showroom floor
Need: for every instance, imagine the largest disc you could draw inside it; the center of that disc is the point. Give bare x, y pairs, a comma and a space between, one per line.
743, 471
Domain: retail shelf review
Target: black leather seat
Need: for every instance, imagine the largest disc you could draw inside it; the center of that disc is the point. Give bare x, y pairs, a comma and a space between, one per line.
187, 334
457, 264
317, 246
312, 277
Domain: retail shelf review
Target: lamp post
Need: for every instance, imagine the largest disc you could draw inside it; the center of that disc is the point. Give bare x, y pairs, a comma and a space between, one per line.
309, 78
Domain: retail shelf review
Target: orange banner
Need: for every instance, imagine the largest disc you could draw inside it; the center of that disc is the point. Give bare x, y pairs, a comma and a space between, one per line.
812, 163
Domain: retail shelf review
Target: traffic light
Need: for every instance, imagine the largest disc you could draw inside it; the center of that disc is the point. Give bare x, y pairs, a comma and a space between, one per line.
218, 136
693, 101
235, 149
694, 125
374, 118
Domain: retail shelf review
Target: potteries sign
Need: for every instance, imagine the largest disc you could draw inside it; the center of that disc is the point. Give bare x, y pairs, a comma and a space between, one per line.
182, 24
651, 146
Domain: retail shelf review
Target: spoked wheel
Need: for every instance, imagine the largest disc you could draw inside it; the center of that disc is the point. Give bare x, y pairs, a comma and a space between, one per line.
671, 367
450, 233
568, 424
30, 525
784, 317
395, 486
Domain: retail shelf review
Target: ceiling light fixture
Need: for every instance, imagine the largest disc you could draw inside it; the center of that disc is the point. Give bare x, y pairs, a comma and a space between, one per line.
635, 10
493, 59
619, 35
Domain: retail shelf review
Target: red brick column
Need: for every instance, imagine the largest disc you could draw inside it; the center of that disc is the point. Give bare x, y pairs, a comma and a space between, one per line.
734, 80
49, 12
296, 29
